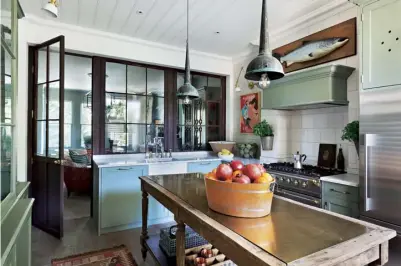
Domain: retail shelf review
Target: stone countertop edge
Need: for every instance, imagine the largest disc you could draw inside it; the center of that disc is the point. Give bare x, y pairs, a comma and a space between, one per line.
343, 179
120, 163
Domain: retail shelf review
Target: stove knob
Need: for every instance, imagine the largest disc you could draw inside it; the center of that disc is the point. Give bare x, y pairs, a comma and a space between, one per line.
316, 182
304, 184
296, 182
288, 181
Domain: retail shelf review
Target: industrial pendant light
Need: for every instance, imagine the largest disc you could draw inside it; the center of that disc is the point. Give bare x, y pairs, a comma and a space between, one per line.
51, 8
187, 91
264, 67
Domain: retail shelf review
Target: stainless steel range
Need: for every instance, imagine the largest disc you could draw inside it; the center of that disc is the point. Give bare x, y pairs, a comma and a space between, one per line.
302, 185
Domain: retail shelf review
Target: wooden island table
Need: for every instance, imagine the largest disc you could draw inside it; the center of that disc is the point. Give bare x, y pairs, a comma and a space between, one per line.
293, 234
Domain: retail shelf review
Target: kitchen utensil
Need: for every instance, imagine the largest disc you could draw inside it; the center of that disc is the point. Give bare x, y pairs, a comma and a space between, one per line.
298, 160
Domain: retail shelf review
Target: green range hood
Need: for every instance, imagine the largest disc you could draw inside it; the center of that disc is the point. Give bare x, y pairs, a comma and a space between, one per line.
315, 88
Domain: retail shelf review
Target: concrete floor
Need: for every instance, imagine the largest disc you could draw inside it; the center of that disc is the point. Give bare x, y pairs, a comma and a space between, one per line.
80, 237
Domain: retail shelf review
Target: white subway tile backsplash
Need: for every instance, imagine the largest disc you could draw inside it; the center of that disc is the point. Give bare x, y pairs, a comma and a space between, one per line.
328, 136
313, 135
320, 121
335, 120
353, 114
307, 121
296, 121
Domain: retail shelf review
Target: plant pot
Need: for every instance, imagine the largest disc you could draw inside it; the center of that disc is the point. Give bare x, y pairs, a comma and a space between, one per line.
356, 143
267, 143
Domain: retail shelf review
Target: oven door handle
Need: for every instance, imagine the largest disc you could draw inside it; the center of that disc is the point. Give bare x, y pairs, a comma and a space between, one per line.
316, 202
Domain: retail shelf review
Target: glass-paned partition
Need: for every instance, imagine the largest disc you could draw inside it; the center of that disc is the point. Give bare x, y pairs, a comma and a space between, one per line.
134, 111
199, 121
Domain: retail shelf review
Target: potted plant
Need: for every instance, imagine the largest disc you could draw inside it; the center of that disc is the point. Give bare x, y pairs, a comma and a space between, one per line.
351, 133
265, 132
88, 142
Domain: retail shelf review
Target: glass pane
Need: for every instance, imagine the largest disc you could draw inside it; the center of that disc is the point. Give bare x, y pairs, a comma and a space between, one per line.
185, 113
155, 114
200, 138
155, 131
54, 135
180, 80
86, 136
115, 108
213, 114
199, 112
42, 65
41, 102
155, 82
6, 92
137, 109
54, 100
116, 139
136, 138
136, 80
6, 19
54, 62
185, 138
212, 135
67, 136
41, 138
213, 91
116, 77
6, 159
199, 82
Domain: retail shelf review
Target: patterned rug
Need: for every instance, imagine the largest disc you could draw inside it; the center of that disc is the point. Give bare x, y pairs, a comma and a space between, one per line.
117, 256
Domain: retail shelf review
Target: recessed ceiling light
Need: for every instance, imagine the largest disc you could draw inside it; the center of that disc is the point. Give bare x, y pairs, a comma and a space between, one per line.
217, 32
139, 12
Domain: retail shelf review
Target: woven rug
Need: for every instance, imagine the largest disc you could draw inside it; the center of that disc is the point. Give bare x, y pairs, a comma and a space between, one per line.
117, 256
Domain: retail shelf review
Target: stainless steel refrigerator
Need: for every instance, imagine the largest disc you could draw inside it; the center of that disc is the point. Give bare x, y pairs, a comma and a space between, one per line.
380, 156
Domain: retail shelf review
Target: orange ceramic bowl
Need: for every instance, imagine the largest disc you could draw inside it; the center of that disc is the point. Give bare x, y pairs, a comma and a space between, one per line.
239, 200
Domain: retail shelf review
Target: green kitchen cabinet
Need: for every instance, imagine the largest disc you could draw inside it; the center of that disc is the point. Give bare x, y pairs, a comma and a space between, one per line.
340, 199
203, 167
380, 43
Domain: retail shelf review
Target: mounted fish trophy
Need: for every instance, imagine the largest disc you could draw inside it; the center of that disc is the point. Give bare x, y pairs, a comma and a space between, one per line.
311, 50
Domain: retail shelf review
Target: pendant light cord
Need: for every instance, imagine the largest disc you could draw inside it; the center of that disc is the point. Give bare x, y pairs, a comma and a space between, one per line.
264, 46
187, 78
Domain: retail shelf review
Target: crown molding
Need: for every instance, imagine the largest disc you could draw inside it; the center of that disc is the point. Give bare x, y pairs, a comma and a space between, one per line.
97, 33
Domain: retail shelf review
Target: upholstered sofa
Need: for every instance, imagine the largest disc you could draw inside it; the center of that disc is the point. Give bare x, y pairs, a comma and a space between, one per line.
77, 176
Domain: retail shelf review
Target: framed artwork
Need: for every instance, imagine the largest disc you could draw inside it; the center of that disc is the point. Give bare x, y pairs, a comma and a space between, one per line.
250, 112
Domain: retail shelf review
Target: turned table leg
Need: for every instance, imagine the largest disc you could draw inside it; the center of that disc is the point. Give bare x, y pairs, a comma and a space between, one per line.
144, 234
180, 244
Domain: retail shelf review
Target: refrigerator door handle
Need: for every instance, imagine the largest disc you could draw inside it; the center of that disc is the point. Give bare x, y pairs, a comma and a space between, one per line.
369, 142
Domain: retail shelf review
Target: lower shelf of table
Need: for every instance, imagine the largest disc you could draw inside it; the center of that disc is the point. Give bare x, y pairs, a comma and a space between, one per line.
152, 245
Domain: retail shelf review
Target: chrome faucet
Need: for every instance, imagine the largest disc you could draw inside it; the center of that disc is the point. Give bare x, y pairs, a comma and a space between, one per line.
159, 143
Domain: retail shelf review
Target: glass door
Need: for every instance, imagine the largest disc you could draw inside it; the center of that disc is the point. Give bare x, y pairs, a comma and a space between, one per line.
48, 140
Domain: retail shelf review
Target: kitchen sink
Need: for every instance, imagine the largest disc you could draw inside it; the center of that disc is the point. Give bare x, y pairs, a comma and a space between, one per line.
158, 160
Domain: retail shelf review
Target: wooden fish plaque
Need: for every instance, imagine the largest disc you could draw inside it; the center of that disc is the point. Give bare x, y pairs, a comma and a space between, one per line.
336, 42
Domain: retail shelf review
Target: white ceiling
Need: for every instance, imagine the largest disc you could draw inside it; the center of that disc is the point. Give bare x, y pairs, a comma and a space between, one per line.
164, 21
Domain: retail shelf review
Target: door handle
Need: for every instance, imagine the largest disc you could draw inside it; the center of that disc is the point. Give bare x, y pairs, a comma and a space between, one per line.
369, 140
337, 191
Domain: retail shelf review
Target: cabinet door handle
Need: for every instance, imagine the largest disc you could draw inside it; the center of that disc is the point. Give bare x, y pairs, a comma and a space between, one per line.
207, 163
124, 169
342, 192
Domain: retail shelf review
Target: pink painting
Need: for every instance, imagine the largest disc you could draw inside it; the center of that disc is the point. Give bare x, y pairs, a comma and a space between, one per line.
250, 112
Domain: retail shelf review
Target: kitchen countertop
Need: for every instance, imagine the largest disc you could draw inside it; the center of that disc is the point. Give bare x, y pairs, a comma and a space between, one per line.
178, 157
343, 179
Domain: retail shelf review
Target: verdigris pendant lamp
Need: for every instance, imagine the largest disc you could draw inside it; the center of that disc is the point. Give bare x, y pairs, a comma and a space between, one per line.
264, 67
187, 92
